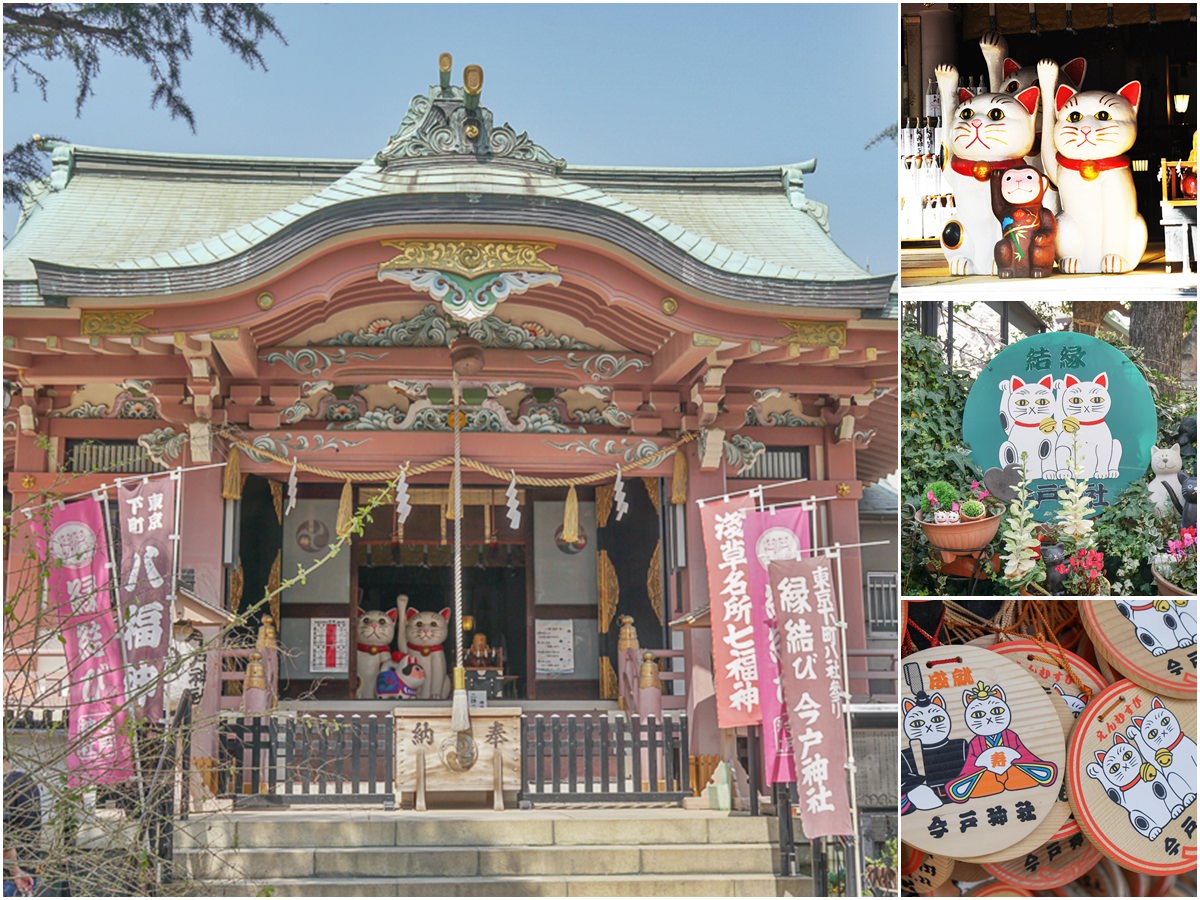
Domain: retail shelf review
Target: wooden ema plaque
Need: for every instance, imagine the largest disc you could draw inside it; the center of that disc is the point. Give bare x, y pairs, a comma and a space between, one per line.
1149, 640
998, 889
923, 873
1061, 860
1131, 778
981, 764
1061, 673
423, 737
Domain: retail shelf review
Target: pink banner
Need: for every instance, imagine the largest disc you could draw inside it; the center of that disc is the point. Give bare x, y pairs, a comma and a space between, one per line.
147, 518
735, 664
77, 586
811, 664
772, 534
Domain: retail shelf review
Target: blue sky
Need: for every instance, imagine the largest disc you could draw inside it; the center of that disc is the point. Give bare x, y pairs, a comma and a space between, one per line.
608, 84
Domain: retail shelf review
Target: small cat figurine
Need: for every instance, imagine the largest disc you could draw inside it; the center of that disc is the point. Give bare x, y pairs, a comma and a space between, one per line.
946, 516
375, 630
997, 760
1160, 739
1166, 463
985, 134
1076, 703
1027, 414
1099, 229
400, 678
927, 724
1136, 786
1053, 556
425, 635
1158, 629
1187, 488
1083, 406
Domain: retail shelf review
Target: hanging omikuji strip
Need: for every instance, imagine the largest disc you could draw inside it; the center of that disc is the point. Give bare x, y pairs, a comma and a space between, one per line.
735, 665
772, 534
147, 519
810, 642
77, 587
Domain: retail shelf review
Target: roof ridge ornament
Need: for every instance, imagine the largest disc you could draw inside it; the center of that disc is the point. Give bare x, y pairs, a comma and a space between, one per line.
451, 123
793, 183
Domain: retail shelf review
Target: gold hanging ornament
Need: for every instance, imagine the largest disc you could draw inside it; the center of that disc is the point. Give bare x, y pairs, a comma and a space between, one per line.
231, 485
345, 509
570, 526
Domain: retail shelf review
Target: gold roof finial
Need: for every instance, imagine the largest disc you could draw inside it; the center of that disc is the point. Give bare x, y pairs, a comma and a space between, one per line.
445, 61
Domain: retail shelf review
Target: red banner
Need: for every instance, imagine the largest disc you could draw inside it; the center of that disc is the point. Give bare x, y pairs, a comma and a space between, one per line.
735, 664
77, 587
772, 534
147, 519
811, 663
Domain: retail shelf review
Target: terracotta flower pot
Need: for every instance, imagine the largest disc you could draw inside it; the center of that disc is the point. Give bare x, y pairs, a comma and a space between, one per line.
1169, 588
968, 538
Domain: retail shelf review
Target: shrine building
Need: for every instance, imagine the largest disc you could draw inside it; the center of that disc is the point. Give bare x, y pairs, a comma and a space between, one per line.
698, 328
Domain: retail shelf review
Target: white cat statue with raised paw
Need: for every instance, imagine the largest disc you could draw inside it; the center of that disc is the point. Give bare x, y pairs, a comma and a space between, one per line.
1083, 406
1099, 229
984, 134
1166, 463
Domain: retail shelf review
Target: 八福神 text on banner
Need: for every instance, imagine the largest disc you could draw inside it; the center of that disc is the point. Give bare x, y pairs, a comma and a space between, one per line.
73, 543
810, 644
735, 662
146, 520
772, 534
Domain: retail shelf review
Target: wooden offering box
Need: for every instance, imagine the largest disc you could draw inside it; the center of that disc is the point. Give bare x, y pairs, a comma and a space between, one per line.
424, 735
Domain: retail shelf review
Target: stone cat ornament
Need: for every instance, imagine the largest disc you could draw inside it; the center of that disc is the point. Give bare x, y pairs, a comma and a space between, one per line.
1099, 229
1166, 463
984, 134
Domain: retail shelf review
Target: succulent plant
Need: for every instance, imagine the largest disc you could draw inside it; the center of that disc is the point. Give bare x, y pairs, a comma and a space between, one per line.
972, 509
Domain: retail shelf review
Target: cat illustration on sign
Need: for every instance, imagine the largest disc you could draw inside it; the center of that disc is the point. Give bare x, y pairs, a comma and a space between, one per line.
1082, 407
1076, 703
997, 760
1027, 414
1136, 786
1160, 738
1161, 623
923, 780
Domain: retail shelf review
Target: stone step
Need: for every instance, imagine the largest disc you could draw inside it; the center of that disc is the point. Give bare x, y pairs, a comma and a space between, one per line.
491, 886
454, 863
297, 828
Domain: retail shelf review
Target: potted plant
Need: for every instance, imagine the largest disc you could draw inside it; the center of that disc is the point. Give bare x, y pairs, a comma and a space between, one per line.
956, 535
970, 510
1175, 571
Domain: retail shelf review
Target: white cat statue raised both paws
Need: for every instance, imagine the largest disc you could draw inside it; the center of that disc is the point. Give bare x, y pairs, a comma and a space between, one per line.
1087, 135
984, 134
1166, 463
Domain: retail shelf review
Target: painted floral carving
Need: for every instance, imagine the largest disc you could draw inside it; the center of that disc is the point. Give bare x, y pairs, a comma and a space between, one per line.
431, 328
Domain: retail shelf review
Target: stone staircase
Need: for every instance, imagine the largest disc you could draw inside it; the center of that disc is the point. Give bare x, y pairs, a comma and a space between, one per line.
541, 852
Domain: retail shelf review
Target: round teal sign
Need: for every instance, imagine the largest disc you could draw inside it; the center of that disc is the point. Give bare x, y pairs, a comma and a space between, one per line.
1050, 395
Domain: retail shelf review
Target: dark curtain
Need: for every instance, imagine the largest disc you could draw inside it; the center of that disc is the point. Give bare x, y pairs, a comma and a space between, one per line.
629, 572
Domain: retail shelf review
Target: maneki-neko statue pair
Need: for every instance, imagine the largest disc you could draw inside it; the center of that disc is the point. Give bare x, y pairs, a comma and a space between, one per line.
1019, 208
418, 670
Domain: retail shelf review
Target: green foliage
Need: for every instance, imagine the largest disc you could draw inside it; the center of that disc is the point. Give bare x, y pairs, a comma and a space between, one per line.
1019, 532
944, 493
972, 509
1130, 532
157, 35
932, 400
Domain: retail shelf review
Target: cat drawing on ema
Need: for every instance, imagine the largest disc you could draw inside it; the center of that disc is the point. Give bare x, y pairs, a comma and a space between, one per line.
1159, 625
997, 760
1160, 739
1136, 786
1027, 412
984, 134
932, 758
1083, 407
1076, 703
1087, 135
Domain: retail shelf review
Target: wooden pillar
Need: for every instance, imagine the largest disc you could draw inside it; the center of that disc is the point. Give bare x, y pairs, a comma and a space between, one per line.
840, 467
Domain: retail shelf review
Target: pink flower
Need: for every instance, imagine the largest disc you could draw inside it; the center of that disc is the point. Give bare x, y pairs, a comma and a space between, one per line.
974, 485
1060, 569
983, 494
